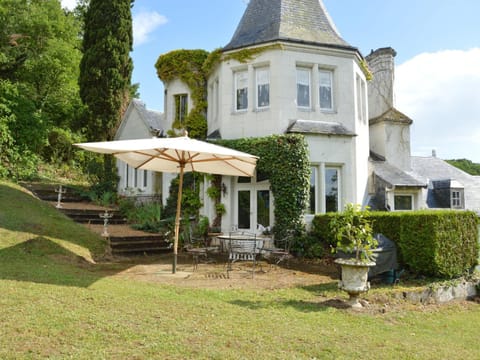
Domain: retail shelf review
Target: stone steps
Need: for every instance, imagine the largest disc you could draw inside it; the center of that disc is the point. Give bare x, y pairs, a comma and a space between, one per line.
123, 240
92, 216
138, 244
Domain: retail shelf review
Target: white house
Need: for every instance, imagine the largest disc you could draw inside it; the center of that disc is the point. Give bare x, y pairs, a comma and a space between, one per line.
303, 78
138, 123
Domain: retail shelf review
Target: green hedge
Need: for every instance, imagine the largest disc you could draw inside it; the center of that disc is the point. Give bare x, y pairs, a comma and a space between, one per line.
433, 243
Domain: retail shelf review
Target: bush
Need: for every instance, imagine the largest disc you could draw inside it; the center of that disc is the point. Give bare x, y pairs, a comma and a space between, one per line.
439, 243
433, 243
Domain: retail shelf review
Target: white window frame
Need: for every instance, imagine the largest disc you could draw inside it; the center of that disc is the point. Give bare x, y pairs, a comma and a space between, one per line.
361, 99
338, 169
313, 196
456, 202
262, 77
181, 108
319, 171
320, 85
240, 76
412, 199
299, 81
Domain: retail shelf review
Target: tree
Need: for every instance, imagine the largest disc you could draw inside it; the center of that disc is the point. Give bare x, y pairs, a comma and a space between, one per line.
106, 66
105, 71
39, 60
466, 165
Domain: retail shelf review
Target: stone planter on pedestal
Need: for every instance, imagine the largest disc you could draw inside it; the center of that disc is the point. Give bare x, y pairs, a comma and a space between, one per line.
354, 279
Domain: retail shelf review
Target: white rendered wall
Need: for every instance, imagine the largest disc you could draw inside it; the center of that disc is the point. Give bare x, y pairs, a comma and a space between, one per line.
283, 92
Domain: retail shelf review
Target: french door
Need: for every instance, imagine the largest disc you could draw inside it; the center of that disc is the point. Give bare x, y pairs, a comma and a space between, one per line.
253, 207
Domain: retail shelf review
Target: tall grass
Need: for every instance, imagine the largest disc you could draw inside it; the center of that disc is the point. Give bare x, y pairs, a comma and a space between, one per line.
59, 300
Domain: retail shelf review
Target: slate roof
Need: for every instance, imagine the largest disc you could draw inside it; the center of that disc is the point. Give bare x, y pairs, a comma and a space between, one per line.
319, 127
153, 119
396, 177
433, 169
301, 21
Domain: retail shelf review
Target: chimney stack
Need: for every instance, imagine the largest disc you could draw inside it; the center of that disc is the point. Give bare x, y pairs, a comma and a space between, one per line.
380, 89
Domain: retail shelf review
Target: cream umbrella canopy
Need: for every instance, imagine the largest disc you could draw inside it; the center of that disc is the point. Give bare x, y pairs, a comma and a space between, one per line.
177, 155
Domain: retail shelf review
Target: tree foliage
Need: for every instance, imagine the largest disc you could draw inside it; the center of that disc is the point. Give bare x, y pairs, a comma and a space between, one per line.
466, 165
39, 58
106, 66
105, 72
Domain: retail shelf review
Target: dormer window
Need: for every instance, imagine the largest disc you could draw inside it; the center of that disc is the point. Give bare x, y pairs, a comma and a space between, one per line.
303, 88
262, 77
325, 78
241, 90
181, 108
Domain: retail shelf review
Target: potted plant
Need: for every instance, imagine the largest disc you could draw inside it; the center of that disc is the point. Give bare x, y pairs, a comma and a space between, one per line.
355, 242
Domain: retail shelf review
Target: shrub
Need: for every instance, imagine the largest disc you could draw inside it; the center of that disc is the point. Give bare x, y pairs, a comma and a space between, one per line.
439, 243
434, 243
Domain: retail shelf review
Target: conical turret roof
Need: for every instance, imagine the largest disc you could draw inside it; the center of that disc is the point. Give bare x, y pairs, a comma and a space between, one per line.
301, 21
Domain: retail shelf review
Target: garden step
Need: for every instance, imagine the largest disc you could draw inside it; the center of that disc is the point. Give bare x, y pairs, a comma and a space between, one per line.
48, 192
138, 244
91, 216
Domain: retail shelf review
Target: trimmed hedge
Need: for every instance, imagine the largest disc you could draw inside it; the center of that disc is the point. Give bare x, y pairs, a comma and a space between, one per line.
433, 243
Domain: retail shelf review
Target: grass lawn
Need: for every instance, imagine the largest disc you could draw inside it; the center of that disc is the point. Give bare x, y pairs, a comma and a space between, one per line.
56, 303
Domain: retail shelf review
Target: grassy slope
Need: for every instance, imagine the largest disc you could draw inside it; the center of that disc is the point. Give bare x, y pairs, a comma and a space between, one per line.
55, 304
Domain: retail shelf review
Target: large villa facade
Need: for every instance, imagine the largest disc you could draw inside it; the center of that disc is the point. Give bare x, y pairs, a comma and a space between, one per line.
305, 78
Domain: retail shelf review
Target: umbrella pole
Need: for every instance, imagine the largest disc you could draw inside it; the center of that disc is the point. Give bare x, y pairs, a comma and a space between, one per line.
177, 220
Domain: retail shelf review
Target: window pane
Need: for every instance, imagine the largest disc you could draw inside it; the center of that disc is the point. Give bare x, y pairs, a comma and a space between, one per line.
244, 180
263, 88
241, 88
263, 207
313, 184
181, 107
244, 209
325, 79
145, 178
331, 190
456, 200
261, 176
263, 95
303, 88
403, 202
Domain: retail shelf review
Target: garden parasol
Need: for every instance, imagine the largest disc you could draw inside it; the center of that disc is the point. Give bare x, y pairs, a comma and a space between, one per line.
177, 155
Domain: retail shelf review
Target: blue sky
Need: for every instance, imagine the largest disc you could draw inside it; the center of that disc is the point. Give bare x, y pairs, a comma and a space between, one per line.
437, 63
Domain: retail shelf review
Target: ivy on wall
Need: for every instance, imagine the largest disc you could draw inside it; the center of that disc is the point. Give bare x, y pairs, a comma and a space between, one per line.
285, 160
193, 67
186, 65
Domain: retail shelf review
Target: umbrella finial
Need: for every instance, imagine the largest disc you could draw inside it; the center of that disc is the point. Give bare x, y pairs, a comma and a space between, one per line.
185, 132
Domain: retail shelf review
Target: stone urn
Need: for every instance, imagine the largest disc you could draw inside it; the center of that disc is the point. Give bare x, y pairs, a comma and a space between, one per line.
354, 279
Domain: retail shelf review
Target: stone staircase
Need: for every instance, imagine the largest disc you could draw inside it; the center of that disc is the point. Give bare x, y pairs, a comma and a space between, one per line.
123, 239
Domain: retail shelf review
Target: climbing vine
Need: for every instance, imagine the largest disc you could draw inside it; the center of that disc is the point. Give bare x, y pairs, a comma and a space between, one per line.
186, 65
285, 160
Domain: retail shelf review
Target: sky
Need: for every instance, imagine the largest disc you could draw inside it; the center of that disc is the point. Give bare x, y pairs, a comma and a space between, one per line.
437, 75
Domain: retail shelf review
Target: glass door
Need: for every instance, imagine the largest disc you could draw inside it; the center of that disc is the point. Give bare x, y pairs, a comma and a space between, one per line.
253, 208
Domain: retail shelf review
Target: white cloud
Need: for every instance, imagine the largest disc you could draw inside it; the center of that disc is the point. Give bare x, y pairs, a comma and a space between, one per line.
441, 93
69, 4
144, 23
